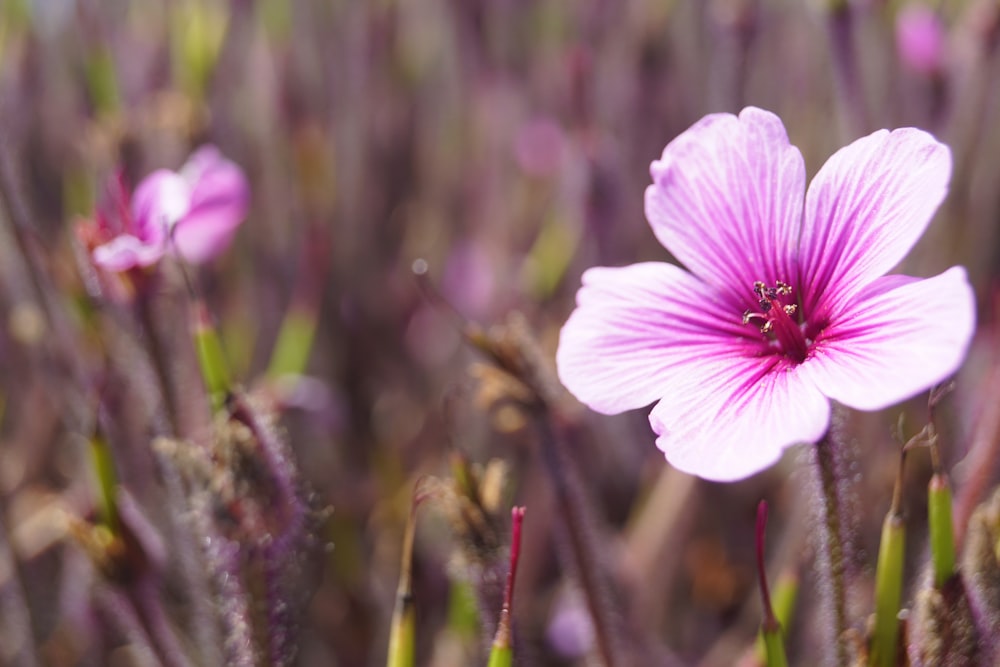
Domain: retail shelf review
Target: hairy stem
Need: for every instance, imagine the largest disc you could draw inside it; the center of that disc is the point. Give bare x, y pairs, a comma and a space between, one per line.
826, 464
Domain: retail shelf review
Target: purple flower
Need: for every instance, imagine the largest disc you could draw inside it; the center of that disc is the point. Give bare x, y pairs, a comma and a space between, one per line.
192, 214
784, 307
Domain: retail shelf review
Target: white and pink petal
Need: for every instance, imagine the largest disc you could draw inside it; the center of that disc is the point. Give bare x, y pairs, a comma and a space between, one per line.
726, 200
636, 328
865, 209
729, 418
897, 343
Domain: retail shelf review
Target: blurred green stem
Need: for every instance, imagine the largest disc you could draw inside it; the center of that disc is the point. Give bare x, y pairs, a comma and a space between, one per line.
402, 634
889, 580
770, 628
295, 340
211, 358
104, 470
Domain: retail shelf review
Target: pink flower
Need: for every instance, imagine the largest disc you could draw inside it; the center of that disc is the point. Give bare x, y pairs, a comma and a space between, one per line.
784, 307
192, 214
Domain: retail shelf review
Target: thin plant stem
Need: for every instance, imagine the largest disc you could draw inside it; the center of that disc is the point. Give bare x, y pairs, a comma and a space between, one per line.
157, 354
845, 65
146, 599
572, 506
834, 560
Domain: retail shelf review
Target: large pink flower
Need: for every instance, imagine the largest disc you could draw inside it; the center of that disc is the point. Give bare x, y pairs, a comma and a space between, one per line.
192, 214
784, 308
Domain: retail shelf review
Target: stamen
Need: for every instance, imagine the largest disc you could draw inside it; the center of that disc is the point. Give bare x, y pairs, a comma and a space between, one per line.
775, 319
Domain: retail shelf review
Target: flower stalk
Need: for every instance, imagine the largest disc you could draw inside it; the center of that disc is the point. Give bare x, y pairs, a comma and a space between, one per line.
403, 631
939, 503
941, 528
103, 465
502, 653
211, 359
889, 580
826, 463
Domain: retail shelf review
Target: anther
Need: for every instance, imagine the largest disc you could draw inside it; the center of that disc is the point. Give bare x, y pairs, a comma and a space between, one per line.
790, 309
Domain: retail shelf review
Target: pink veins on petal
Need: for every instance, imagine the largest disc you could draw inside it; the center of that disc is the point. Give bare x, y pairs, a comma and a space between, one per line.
785, 304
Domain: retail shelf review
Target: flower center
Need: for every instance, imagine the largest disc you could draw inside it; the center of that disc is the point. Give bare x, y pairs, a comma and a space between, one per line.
775, 319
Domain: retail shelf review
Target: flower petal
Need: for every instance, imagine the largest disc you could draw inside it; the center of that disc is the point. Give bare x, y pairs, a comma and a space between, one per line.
635, 326
865, 209
726, 200
126, 252
897, 343
220, 197
160, 200
727, 419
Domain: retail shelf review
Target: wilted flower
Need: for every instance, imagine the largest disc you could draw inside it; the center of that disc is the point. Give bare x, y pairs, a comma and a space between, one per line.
784, 307
192, 213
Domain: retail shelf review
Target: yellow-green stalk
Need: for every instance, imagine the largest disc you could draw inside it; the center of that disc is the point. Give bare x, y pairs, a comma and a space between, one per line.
939, 520
770, 628
102, 81
295, 340
211, 358
197, 30
889, 581
107, 481
942, 532
502, 652
783, 597
402, 633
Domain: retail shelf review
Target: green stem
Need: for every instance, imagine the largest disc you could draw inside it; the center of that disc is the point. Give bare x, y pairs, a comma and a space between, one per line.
942, 531
211, 358
826, 464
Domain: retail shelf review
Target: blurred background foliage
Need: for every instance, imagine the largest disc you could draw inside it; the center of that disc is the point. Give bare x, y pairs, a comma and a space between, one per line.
506, 144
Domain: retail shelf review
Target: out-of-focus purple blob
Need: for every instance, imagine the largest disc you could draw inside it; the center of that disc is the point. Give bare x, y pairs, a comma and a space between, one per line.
570, 632
469, 280
920, 39
539, 147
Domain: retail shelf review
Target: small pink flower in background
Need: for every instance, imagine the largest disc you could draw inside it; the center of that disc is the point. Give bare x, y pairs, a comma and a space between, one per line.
920, 38
784, 305
192, 214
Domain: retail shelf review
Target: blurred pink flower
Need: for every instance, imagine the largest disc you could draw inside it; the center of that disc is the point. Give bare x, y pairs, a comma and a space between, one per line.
192, 214
920, 38
785, 306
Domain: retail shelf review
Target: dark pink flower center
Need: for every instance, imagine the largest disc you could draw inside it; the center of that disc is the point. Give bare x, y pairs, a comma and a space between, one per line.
778, 321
